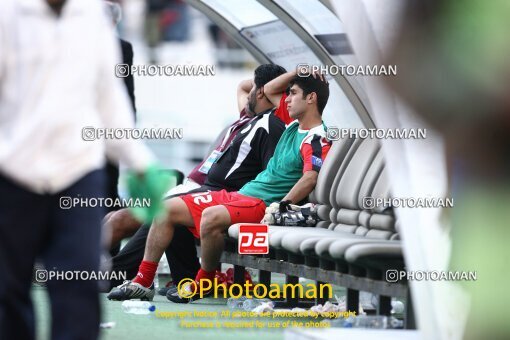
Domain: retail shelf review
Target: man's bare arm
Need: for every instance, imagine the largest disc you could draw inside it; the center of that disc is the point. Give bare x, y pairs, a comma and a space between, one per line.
303, 187
243, 89
275, 88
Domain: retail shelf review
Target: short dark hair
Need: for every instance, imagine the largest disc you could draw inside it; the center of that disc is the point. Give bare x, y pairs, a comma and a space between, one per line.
267, 72
310, 84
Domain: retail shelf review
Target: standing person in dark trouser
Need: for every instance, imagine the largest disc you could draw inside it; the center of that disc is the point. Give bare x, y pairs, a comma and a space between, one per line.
57, 76
235, 161
63, 239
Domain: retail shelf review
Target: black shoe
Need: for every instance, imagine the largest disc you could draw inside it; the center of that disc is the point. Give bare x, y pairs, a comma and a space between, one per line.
131, 290
171, 290
175, 296
163, 290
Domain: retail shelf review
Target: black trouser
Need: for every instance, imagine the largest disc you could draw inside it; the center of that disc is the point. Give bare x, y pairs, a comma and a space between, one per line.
112, 182
181, 253
34, 225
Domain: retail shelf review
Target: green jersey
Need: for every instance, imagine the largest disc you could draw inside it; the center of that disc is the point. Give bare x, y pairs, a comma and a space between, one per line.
296, 152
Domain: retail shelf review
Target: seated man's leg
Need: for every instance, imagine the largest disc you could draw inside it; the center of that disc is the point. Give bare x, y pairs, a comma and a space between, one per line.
162, 230
107, 235
182, 255
120, 224
215, 220
159, 237
237, 208
219, 211
130, 256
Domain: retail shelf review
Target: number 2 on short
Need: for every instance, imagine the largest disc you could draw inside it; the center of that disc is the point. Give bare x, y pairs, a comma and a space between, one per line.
202, 197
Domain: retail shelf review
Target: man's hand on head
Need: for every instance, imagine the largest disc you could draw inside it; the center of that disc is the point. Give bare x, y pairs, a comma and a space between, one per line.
320, 75
243, 90
306, 70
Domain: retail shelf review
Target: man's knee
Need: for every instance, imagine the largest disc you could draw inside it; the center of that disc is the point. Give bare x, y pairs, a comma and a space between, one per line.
177, 212
122, 219
214, 220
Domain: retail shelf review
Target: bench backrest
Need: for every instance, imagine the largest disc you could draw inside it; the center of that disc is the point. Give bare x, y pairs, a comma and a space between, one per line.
354, 172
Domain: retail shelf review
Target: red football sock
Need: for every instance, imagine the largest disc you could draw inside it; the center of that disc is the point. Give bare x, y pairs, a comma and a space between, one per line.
202, 274
146, 273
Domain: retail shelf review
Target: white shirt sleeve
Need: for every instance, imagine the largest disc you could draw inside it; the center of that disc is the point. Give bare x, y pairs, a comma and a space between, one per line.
113, 104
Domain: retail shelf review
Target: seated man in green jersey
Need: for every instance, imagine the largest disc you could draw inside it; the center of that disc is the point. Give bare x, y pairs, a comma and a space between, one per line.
290, 176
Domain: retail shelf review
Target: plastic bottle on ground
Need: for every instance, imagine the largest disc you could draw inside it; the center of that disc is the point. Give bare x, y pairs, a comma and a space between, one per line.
376, 322
137, 307
236, 303
250, 304
368, 321
371, 321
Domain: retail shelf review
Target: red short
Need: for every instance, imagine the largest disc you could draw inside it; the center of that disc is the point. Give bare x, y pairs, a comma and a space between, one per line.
241, 208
